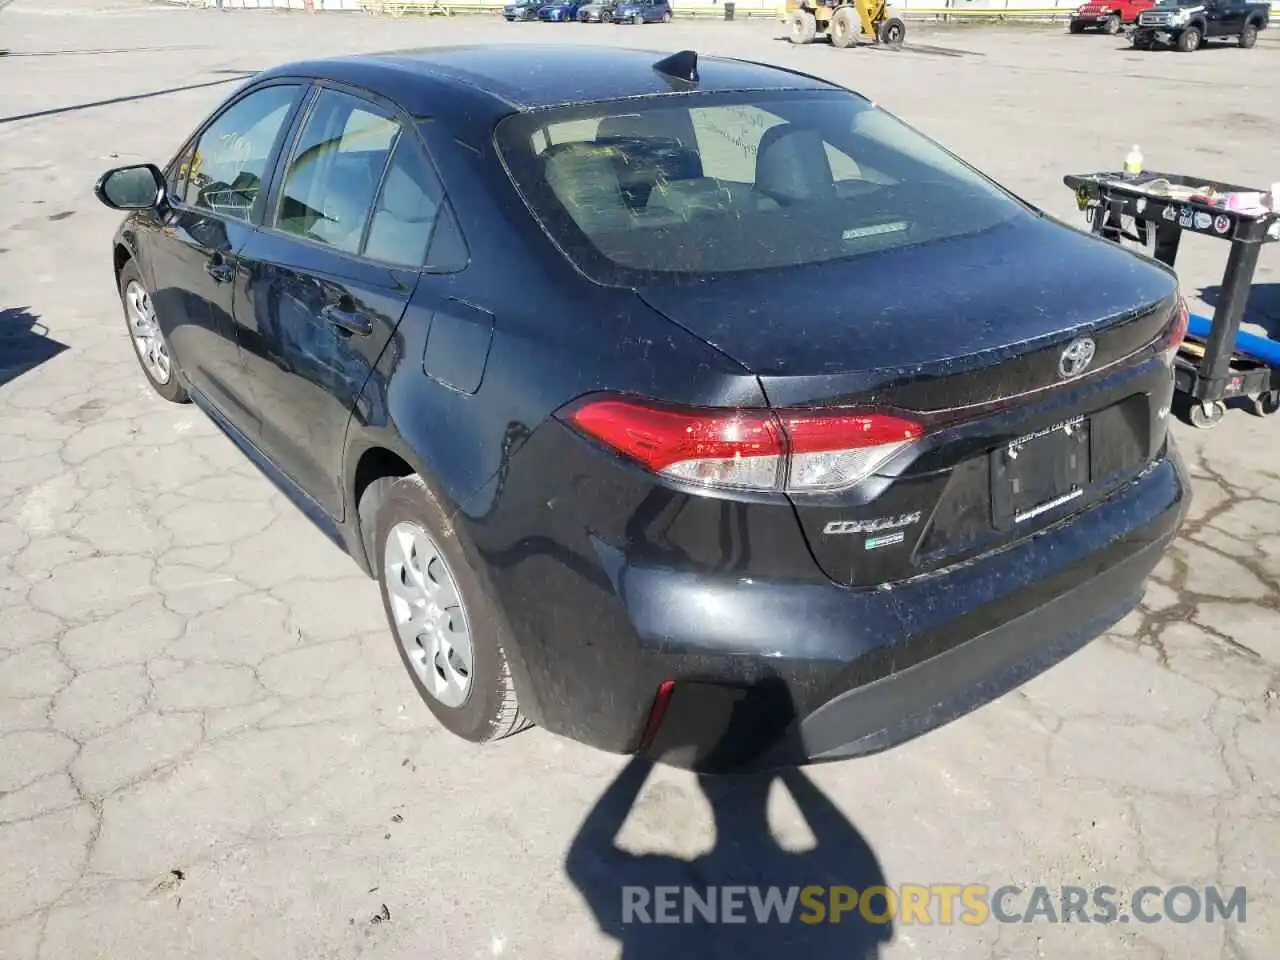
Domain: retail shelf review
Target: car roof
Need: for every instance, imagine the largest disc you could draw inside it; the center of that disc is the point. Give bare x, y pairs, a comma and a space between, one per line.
526, 76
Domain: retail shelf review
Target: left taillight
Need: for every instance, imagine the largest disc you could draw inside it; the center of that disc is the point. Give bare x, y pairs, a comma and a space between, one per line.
1177, 331
809, 450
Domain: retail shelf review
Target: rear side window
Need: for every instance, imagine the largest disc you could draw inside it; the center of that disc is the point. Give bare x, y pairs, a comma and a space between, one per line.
670, 187
224, 172
333, 174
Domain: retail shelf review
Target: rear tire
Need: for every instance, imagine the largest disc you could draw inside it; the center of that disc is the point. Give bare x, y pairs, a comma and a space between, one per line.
802, 26
892, 32
414, 545
1112, 26
844, 28
638, 20
1189, 40
1249, 36
150, 348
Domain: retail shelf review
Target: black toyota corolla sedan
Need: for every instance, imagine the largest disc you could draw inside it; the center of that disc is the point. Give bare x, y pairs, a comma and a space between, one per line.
698, 408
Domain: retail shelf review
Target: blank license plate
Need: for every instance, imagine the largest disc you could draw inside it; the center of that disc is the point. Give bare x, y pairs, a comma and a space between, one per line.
1040, 472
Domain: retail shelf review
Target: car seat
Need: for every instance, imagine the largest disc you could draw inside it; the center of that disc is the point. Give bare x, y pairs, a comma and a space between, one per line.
585, 181
348, 190
792, 166
401, 227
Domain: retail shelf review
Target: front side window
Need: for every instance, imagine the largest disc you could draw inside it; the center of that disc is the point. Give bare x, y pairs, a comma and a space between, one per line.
653, 190
225, 171
334, 171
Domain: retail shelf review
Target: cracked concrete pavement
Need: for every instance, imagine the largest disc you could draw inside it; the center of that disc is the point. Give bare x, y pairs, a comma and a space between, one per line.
207, 745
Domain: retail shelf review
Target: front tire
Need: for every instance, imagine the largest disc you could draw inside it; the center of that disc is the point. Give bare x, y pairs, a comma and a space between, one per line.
450, 636
149, 344
802, 26
844, 28
1249, 36
1207, 414
1112, 26
666, 17
1189, 40
1075, 26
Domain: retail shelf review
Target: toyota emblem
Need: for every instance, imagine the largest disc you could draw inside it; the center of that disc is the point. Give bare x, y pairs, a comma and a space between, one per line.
1076, 358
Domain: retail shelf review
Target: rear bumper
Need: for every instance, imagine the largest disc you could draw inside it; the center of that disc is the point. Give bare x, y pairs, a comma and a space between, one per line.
775, 672
920, 698
782, 676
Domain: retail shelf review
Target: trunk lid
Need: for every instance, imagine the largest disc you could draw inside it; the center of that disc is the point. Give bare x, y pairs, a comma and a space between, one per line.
968, 335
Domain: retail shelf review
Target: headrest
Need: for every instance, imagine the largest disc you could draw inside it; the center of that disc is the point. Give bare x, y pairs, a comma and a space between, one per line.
792, 164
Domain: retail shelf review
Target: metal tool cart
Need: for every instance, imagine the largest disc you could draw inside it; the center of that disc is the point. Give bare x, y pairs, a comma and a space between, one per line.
1158, 207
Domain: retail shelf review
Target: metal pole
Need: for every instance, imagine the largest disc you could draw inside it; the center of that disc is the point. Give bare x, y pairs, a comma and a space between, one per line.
1221, 342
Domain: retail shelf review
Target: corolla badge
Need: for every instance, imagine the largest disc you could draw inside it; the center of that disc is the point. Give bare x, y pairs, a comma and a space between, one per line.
1076, 358
874, 525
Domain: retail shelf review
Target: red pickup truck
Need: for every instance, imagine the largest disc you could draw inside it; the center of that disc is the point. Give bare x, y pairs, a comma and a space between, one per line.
1107, 16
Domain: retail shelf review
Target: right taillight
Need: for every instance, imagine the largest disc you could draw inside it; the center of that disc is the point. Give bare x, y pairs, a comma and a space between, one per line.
794, 450
1177, 331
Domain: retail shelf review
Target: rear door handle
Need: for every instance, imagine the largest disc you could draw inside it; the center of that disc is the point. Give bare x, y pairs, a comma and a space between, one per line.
347, 320
219, 269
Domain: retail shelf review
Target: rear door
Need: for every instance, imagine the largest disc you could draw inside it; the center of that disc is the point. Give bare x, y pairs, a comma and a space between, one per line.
216, 191
328, 277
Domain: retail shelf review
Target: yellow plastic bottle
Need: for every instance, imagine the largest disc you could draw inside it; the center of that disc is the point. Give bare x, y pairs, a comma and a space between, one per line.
1133, 162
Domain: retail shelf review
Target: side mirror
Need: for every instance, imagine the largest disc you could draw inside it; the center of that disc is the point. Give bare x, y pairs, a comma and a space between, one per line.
137, 187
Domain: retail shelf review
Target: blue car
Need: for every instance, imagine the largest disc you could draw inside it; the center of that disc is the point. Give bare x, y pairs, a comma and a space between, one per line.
643, 11
561, 12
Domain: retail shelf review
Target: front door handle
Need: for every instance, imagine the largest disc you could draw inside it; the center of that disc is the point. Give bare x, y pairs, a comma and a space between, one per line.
219, 269
347, 320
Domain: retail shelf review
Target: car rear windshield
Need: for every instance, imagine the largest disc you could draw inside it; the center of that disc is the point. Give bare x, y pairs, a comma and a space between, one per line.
675, 187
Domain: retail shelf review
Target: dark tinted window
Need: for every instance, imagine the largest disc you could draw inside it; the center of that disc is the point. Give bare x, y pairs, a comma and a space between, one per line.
720, 183
406, 211
225, 173
334, 171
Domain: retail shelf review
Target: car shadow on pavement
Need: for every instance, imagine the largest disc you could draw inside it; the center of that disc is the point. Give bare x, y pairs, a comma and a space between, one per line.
690, 918
24, 343
1262, 308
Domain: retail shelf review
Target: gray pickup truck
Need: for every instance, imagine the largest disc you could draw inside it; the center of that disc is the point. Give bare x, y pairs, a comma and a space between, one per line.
1188, 24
